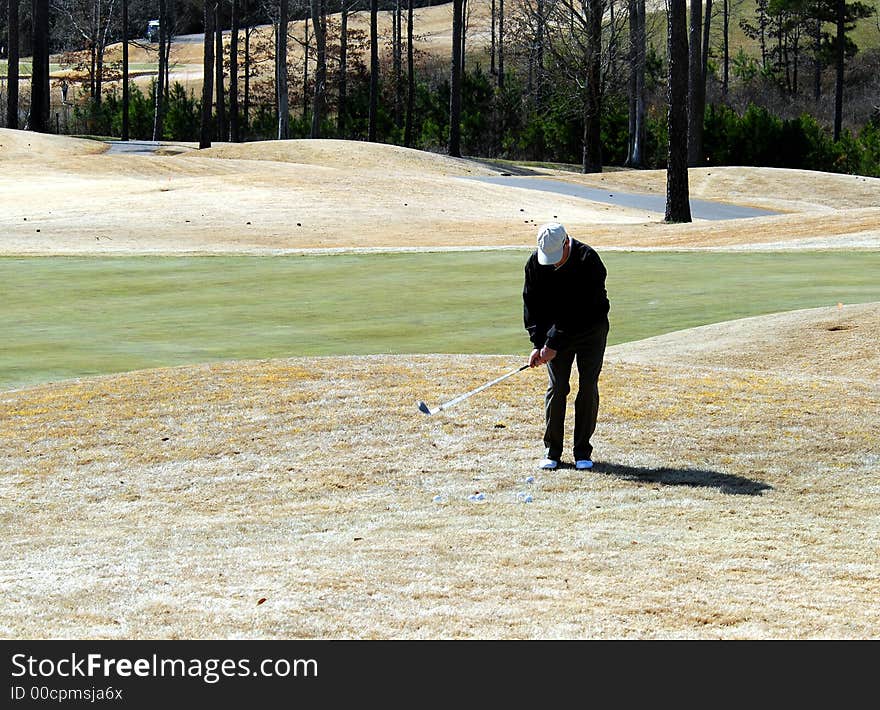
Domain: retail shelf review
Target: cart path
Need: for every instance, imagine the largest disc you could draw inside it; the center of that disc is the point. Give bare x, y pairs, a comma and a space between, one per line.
700, 209
132, 147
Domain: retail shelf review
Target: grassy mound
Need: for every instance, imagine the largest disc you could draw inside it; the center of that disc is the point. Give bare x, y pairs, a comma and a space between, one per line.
25, 146
347, 155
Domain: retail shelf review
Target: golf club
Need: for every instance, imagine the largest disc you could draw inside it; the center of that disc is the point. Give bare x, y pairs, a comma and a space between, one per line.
440, 407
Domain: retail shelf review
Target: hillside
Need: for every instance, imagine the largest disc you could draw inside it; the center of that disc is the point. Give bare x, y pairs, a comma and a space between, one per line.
67, 196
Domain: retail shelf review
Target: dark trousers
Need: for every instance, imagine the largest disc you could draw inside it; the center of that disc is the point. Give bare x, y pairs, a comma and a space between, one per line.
589, 350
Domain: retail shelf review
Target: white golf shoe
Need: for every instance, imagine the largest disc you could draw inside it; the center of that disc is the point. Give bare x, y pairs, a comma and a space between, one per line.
583, 464
548, 464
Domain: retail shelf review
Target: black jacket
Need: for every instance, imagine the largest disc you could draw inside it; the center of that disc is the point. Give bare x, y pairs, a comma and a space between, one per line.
561, 303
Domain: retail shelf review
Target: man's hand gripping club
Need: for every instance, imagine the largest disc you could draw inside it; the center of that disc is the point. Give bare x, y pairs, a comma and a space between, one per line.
541, 356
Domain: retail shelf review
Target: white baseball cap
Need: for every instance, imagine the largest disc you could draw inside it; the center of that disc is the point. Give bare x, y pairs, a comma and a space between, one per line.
551, 240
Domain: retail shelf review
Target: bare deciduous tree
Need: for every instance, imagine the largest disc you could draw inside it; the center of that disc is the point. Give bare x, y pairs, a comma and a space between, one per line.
126, 98
501, 44
410, 76
374, 70
281, 71
342, 107
305, 74
206, 129
12, 56
839, 66
637, 56
93, 22
222, 124
234, 125
397, 61
571, 32
319, 27
159, 98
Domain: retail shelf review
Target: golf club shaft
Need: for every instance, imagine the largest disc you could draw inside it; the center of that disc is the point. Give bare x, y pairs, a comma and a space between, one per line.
480, 388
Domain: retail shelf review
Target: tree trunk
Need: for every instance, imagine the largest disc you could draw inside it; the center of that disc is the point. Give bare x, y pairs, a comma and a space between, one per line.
281, 72
704, 62
592, 140
374, 69
641, 112
678, 207
704, 77
695, 115
126, 97
92, 71
782, 61
246, 117
501, 44
492, 69
762, 25
612, 40
410, 77
234, 132
222, 126
341, 118
305, 105
840, 60
206, 130
167, 63
464, 11
631, 98
455, 83
102, 27
704, 59
319, 28
398, 64
99, 55
725, 82
539, 55
12, 66
638, 49
40, 73
817, 61
159, 99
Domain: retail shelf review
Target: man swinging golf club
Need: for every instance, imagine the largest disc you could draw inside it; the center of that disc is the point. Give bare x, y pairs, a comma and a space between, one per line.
565, 309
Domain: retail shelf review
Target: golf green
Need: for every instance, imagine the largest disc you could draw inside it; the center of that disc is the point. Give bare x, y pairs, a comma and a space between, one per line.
67, 317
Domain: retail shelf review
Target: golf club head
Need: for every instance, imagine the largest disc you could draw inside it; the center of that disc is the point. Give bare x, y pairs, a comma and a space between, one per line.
424, 408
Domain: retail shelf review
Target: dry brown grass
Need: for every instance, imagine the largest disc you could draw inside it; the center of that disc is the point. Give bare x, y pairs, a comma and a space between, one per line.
728, 502
299, 195
735, 494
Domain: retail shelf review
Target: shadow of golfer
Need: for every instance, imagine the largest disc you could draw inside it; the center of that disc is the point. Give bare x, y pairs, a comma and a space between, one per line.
725, 482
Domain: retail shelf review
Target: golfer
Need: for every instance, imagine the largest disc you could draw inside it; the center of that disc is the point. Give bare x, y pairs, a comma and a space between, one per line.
565, 309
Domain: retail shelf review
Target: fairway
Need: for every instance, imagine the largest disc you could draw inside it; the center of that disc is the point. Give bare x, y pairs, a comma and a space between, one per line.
67, 317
